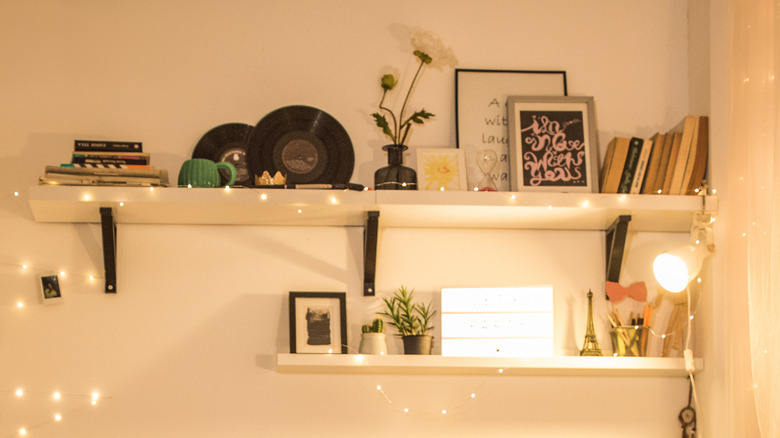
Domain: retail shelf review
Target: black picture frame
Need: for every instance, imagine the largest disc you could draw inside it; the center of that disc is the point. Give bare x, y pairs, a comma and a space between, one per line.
481, 118
318, 322
553, 143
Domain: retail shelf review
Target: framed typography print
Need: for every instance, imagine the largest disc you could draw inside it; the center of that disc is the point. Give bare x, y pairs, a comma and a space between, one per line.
553, 144
481, 117
318, 322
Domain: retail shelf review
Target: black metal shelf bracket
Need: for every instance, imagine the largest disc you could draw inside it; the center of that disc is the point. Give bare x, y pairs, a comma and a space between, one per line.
370, 235
616, 243
108, 227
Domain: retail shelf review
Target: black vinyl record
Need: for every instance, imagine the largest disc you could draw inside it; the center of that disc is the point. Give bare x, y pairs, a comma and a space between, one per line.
227, 143
305, 144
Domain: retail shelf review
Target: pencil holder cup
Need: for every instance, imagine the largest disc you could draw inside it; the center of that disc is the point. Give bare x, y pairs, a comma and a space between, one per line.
629, 340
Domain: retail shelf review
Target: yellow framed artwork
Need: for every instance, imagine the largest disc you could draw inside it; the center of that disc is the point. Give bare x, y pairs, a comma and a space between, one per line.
441, 169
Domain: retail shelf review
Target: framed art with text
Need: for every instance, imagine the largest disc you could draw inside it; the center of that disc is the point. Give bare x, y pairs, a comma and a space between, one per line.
318, 322
553, 144
481, 117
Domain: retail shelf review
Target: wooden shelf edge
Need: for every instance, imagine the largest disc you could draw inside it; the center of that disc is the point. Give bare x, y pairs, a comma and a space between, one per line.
441, 365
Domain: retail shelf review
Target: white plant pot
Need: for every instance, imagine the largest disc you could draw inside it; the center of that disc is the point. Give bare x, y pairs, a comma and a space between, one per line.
373, 343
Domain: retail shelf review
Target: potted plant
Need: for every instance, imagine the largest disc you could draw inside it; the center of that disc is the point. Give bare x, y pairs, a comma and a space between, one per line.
412, 320
372, 340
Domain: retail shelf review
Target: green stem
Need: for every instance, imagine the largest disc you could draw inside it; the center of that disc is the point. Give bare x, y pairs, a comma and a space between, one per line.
403, 107
388, 110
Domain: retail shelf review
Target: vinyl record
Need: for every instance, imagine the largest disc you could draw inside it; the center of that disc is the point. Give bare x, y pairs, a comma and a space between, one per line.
305, 144
227, 143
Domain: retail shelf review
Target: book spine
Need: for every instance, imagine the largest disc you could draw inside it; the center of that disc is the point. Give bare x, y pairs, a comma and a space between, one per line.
632, 159
109, 166
107, 146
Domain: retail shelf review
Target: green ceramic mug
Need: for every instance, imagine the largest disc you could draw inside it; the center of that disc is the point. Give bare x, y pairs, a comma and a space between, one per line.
200, 172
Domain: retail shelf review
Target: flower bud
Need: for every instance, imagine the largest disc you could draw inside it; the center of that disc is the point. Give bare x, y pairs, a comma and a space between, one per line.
389, 81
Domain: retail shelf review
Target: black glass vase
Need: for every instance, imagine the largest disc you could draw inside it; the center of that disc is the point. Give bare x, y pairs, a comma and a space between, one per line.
395, 176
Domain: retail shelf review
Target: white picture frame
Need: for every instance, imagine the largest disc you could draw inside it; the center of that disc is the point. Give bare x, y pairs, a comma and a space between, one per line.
442, 169
50, 289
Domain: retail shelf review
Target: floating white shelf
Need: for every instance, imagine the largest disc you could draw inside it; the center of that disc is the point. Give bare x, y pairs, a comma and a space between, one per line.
242, 206
441, 365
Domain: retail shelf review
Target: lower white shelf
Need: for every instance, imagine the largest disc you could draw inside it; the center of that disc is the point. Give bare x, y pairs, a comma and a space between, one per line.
442, 365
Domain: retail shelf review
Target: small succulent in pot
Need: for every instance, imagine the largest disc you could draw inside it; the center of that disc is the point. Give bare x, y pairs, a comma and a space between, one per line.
408, 317
378, 326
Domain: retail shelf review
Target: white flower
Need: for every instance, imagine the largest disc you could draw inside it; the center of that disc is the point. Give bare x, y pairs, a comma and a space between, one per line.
428, 43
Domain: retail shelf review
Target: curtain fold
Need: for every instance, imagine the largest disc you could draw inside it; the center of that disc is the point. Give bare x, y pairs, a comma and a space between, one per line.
754, 178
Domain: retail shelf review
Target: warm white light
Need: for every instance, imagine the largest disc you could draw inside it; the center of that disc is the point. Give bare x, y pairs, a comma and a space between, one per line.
86, 197
57, 396
333, 200
57, 417
671, 272
24, 266
151, 189
122, 204
300, 211
549, 207
696, 191
675, 269
443, 411
403, 184
441, 189
16, 193
585, 204
22, 431
19, 392
94, 402
514, 197
95, 396
330, 350
500, 370
62, 273
406, 409
476, 189
378, 387
714, 191
614, 355
660, 191
663, 336
189, 186
91, 278
19, 304
263, 196
473, 395
227, 188
623, 197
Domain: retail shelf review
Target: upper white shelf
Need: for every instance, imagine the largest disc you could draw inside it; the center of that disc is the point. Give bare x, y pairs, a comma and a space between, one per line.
545, 366
242, 206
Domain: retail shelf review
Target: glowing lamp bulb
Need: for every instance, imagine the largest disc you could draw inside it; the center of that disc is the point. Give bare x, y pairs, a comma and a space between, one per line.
57, 396
19, 392
671, 272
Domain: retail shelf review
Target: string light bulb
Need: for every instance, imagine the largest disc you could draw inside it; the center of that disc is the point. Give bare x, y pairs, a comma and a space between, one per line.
19, 392
57, 417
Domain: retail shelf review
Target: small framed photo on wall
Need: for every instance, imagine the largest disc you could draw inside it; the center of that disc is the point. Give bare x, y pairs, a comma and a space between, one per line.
50, 289
553, 144
441, 169
318, 322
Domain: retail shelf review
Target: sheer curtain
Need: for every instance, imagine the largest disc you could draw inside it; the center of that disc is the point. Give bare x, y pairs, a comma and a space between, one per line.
754, 177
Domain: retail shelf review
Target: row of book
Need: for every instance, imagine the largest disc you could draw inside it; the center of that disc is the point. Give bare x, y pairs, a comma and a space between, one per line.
671, 163
112, 163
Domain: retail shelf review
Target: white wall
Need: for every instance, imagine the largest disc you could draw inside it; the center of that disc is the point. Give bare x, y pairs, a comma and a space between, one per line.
186, 348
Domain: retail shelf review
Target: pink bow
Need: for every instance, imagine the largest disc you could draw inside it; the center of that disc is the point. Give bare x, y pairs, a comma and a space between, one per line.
616, 292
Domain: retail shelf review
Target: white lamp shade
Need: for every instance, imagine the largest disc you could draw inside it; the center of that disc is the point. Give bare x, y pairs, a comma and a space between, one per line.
676, 268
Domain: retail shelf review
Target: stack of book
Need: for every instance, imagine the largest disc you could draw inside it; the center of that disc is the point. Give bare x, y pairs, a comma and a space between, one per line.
106, 163
671, 163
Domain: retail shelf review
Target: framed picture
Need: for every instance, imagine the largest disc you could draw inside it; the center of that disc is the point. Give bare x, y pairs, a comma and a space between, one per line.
50, 289
441, 169
318, 322
553, 144
481, 117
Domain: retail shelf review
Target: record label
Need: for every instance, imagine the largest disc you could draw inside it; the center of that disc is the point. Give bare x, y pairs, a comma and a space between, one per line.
227, 143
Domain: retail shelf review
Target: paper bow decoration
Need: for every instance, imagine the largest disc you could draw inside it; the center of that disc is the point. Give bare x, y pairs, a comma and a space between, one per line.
616, 292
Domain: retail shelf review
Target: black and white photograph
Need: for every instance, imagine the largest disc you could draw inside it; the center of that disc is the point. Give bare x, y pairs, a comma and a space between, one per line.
553, 144
50, 289
318, 322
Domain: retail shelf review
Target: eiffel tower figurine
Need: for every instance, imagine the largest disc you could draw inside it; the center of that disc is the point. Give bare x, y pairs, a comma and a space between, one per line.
591, 346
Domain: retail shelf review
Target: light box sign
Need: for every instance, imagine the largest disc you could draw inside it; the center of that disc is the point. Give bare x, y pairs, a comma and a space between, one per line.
497, 322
